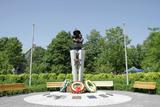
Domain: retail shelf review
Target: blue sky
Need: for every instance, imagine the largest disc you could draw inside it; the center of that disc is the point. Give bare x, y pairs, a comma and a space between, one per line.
52, 16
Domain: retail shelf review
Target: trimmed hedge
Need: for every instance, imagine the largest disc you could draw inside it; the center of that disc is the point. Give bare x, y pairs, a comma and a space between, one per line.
39, 80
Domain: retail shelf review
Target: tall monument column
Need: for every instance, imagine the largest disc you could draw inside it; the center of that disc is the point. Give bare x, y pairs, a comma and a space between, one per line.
81, 61
73, 64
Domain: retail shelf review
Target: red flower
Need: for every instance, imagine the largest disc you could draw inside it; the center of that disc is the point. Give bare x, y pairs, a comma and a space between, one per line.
78, 89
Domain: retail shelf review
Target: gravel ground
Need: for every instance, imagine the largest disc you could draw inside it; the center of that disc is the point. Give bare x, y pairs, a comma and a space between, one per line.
138, 100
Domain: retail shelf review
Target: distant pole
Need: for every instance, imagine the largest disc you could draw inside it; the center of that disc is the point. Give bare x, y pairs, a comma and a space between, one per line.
30, 71
125, 49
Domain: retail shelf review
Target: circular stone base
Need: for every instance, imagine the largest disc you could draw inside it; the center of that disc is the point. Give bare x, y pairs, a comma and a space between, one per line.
100, 98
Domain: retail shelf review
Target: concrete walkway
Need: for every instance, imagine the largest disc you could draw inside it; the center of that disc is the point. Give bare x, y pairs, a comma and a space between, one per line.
138, 100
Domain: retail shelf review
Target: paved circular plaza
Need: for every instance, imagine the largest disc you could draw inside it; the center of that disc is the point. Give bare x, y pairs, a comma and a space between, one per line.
99, 99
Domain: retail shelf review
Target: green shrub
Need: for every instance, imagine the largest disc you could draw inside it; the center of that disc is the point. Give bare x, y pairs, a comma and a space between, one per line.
61, 77
58, 69
37, 88
11, 78
43, 77
100, 77
52, 77
69, 76
88, 77
2, 78
35, 76
24, 78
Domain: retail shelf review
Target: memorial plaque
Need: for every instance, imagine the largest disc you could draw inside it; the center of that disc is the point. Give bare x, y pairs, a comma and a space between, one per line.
49, 96
56, 97
103, 95
76, 97
46, 94
109, 94
92, 97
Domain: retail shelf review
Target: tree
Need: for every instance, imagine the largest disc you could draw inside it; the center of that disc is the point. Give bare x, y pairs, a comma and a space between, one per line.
58, 53
5, 67
135, 56
12, 47
38, 61
93, 47
151, 60
112, 57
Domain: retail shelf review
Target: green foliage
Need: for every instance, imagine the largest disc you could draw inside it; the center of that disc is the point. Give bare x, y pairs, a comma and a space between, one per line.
89, 77
58, 53
11, 57
69, 76
38, 54
38, 61
135, 56
61, 77
52, 77
11, 78
37, 88
43, 77
58, 68
2, 78
5, 67
99, 77
102, 65
93, 47
104, 54
151, 60
24, 78
112, 56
